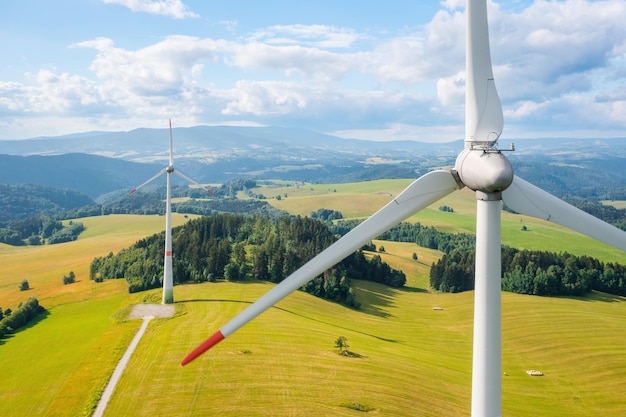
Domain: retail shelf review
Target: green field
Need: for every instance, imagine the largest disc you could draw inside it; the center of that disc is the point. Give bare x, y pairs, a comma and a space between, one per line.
415, 361
359, 200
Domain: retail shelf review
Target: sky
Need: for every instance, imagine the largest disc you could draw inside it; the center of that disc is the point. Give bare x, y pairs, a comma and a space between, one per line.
375, 70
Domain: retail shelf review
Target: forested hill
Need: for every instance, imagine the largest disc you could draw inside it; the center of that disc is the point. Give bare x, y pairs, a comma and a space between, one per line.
240, 248
92, 175
21, 201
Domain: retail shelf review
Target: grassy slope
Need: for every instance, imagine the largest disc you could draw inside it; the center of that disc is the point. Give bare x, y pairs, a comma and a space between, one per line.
54, 367
415, 360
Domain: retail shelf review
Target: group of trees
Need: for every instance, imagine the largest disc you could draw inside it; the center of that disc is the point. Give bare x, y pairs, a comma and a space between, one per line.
13, 320
237, 247
533, 272
425, 236
527, 272
35, 230
69, 279
326, 214
67, 234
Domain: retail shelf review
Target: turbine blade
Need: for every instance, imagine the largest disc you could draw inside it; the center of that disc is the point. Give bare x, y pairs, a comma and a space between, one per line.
161, 172
525, 198
186, 178
420, 194
483, 110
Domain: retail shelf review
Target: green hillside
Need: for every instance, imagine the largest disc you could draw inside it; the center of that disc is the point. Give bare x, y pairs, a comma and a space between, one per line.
359, 200
414, 359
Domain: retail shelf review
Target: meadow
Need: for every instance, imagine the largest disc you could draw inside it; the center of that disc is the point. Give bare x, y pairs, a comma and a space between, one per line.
358, 200
413, 346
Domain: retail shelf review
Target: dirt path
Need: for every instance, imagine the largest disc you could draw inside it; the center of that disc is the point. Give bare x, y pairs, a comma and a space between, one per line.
146, 312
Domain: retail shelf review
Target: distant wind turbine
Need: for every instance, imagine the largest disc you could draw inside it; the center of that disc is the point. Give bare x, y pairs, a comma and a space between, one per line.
483, 168
168, 280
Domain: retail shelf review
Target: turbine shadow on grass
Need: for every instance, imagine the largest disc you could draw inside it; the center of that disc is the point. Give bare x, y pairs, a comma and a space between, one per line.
596, 296
197, 300
413, 289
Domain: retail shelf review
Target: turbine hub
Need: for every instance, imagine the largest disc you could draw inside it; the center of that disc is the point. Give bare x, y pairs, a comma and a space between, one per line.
169, 169
486, 170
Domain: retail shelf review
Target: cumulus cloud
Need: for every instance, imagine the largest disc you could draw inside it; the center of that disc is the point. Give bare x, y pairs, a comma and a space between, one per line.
171, 8
158, 69
556, 64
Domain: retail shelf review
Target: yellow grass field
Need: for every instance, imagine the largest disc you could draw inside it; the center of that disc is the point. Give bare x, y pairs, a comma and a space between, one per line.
415, 360
619, 204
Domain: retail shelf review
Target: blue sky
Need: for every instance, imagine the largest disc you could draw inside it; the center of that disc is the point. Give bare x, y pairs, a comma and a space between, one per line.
384, 70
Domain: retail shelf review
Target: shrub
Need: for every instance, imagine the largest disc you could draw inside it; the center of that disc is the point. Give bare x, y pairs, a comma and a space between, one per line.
69, 279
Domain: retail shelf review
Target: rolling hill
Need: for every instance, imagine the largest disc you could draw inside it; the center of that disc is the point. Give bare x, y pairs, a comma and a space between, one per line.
414, 359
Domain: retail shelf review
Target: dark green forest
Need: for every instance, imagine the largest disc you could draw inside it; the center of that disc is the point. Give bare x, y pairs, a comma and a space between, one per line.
236, 248
533, 272
21, 201
524, 271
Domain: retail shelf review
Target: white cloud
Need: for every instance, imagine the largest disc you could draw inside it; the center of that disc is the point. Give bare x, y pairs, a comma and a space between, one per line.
451, 90
319, 36
399, 131
309, 62
171, 8
557, 64
158, 69
265, 98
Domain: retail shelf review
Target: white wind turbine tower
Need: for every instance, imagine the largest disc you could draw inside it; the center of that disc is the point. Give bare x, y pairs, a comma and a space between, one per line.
483, 168
168, 279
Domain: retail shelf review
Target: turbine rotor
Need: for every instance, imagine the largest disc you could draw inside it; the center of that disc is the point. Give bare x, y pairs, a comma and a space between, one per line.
487, 170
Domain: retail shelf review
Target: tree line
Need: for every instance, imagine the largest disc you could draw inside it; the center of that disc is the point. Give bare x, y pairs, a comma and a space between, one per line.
524, 271
424, 236
37, 229
236, 248
533, 272
10, 321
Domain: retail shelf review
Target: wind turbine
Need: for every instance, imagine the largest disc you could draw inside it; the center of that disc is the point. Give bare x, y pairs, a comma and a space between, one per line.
168, 280
483, 168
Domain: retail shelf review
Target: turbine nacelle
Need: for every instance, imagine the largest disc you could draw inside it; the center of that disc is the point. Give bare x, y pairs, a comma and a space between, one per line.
485, 170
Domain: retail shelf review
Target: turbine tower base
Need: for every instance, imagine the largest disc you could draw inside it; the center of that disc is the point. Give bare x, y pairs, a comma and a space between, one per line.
168, 296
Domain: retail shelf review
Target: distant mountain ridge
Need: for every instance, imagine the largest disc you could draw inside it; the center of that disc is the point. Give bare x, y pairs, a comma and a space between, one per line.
96, 163
202, 141
208, 143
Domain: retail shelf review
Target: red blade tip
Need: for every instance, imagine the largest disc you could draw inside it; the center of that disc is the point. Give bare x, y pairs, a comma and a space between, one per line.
206, 345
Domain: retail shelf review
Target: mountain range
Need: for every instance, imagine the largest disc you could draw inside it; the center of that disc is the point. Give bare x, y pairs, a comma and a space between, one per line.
96, 163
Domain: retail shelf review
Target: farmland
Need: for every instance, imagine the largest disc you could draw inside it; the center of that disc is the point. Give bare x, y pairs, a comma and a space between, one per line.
414, 359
